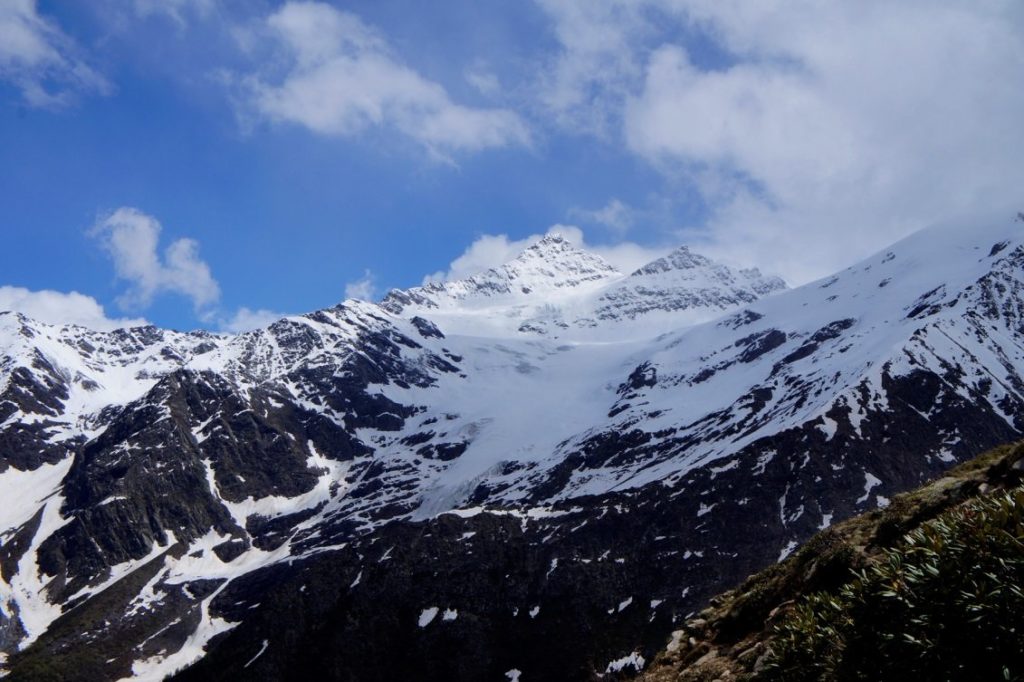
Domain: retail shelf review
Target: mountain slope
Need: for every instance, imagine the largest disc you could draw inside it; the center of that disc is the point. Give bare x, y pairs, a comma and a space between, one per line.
181, 494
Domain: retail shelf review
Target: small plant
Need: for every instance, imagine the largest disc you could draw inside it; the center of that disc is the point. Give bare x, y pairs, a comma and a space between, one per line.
948, 604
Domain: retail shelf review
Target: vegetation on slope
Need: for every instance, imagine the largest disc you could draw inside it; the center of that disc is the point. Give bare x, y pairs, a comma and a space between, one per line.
930, 586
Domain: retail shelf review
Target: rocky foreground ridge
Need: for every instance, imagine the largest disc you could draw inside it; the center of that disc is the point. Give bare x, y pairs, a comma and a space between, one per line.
928, 586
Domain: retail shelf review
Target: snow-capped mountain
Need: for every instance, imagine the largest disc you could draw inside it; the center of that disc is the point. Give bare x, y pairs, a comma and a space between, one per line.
469, 473
557, 290
686, 285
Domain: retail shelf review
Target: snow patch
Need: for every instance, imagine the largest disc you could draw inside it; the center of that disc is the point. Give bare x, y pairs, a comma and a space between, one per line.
870, 482
259, 653
634, 660
427, 616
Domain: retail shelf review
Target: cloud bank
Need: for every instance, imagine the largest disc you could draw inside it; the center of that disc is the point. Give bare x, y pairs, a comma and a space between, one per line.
826, 131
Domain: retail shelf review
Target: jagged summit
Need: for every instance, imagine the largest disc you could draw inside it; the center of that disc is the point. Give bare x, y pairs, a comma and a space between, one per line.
687, 285
556, 289
680, 259
685, 264
551, 267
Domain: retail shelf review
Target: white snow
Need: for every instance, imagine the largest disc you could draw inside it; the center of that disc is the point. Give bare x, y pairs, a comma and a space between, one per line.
870, 482
634, 660
26, 591
158, 667
259, 653
427, 616
828, 427
23, 492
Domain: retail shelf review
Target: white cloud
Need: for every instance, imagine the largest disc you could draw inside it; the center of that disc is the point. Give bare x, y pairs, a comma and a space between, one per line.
245, 320
364, 288
57, 307
825, 129
176, 10
615, 215
597, 64
40, 60
340, 78
483, 81
491, 250
131, 238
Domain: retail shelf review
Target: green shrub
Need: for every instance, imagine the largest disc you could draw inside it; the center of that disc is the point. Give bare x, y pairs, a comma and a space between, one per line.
945, 605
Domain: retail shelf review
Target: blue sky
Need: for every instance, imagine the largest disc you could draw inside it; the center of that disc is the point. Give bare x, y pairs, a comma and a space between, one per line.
208, 163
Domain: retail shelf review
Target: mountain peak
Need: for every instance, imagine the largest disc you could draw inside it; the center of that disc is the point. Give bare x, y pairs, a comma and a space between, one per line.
552, 266
550, 239
563, 260
682, 258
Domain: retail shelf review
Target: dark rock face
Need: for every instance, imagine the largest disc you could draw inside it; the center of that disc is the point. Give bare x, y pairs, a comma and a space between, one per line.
40, 391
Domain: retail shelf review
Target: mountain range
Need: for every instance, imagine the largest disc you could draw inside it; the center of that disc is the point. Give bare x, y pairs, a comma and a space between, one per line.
537, 472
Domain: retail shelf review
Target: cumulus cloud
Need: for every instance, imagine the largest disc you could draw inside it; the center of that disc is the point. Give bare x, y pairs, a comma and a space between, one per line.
824, 130
57, 307
364, 288
491, 250
132, 238
246, 319
341, 78
40, 60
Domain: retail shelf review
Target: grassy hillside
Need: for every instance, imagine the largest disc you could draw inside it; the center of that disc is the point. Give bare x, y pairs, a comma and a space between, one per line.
932, 586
